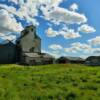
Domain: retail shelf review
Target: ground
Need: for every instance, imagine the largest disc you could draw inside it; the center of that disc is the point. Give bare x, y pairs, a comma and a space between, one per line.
49, 82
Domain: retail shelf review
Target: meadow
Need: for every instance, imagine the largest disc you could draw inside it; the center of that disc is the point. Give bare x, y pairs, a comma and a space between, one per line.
49, 82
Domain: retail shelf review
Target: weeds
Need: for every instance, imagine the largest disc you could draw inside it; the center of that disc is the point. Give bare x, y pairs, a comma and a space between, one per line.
50, 82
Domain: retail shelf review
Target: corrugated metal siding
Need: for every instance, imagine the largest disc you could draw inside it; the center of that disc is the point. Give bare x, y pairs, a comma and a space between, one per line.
7, 53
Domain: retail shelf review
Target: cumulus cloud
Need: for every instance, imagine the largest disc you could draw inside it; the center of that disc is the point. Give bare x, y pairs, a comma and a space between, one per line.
70, 34
95, 41
8, 23
51, 33
50, 8
55, 47
79, 47
70, 50
53, 53
82, 49
7, 37
74, 7
67, 34
75, 49
58, 15
29, 9
86, 29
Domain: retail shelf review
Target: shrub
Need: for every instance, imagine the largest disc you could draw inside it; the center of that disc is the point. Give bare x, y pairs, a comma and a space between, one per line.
83, 79
75, 84
71, 96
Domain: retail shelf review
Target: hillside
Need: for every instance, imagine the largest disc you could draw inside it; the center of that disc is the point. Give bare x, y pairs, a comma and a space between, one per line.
50, 82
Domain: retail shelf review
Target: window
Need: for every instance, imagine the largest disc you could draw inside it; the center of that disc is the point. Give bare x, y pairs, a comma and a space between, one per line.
32, 29
26, 31
32, 49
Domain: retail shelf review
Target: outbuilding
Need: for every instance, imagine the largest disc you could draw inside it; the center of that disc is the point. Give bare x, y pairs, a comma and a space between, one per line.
62, 60
7, 53
93, 61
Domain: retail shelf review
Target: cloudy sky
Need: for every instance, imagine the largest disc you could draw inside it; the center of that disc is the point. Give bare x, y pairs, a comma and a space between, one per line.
66, 27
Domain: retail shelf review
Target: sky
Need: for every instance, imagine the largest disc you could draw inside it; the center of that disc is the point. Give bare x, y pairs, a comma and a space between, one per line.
66, 27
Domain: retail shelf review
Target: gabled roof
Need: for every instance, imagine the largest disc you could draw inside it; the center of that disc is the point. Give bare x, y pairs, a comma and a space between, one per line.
46, 55
93, 57
7, 43
63, 58
75, 58
72, 58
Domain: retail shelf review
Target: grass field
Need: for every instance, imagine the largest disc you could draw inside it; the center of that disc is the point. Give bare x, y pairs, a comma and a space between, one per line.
50, 82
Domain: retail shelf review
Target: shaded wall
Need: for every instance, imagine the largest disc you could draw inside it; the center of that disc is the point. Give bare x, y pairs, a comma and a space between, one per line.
7, 53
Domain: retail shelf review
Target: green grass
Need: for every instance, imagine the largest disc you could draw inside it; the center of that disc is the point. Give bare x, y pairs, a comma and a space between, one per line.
50, 82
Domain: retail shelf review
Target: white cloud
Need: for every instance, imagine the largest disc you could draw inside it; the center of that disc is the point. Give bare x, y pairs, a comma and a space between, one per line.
28, 9
66, 33
58, 15
7, 37
70, 34
82, 49
55, 47
51, 33
74, 7
9, 9
79, 47
8, 23
70, 50
55, 54
75, 49
95, 41
86, 29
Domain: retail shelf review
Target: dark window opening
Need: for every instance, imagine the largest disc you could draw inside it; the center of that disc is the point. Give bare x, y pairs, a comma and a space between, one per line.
32, 29
32, 49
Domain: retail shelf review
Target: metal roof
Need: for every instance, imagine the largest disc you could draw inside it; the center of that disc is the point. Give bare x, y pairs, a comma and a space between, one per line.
75, 58
32, 55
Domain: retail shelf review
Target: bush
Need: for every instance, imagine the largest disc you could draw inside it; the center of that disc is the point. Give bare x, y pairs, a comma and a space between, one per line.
71, 96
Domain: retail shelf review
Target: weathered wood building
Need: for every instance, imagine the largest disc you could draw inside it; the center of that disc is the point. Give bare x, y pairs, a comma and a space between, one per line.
93, 61
30, 46
30, 41
62, 60
7, 53
71, 60
27, 49
76, 60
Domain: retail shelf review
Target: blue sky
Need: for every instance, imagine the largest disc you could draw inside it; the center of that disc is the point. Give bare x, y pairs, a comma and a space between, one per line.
66, 27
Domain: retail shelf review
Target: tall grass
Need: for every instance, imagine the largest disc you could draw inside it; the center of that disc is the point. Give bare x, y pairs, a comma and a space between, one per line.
49, 82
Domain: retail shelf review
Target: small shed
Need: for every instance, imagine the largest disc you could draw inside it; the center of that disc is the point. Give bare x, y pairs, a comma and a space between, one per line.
36, 58
47, 59
31, 59
7, 53
93, 61
62, 60
76, 60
